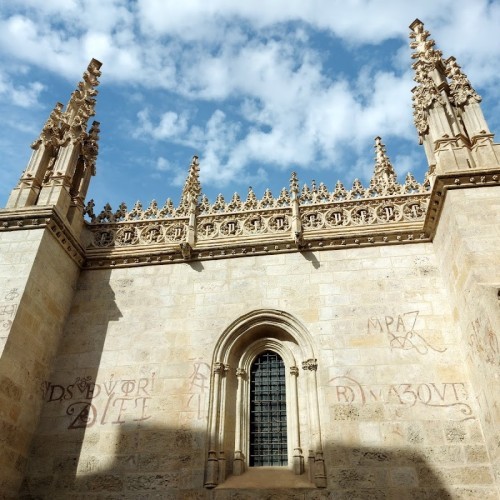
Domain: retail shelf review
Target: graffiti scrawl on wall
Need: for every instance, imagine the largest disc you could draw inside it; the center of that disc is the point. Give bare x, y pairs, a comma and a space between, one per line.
401, 332
440, 395
198, 388
8, 311
114, 401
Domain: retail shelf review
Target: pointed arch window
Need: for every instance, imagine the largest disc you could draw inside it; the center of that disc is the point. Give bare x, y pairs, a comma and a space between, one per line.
268, 415
255, 408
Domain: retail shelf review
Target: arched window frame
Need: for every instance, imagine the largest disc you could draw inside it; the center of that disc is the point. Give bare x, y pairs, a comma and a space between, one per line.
242, 427
234, 353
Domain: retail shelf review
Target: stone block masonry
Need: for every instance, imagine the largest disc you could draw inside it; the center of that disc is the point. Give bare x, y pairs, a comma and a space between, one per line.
132, 377
128, 343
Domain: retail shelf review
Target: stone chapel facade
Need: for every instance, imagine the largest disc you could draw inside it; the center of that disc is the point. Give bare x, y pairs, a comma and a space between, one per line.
319, 344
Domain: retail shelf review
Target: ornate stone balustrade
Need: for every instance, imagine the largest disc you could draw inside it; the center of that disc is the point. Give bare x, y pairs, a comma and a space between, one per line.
312, 218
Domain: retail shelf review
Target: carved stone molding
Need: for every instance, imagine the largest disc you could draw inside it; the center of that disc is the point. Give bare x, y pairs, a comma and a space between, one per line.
456, 180
325, 224
44, 218
354, 239
310, 365
327, 221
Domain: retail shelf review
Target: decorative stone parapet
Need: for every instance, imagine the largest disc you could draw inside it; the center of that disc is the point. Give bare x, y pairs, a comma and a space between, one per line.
314, 218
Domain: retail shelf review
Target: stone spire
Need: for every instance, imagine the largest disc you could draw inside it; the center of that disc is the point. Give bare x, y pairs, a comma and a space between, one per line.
189, 205
296, 226
467, 103
88, 157
447, 111
72, 123
192, 187
55, 173
384, 171
81, 105
427, 60
436, 118
461, 89
91, 147
429, 75
425, 53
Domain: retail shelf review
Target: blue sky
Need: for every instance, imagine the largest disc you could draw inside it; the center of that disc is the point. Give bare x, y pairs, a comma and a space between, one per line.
256, 89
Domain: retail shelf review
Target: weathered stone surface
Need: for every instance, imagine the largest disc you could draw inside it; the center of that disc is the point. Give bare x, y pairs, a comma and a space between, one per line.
128, 346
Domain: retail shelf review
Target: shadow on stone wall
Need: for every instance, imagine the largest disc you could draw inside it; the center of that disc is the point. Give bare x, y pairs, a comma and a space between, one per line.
146, 461
80, 451
311, 257
67, 413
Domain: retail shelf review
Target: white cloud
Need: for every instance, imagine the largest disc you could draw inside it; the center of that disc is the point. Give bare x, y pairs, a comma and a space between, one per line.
171, 125
358, 21
294, 117
24, 96
270, 95
136, 40
176, 174
163, 165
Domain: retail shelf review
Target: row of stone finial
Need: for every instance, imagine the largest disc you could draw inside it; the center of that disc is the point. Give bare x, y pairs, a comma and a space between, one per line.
431, 71
307, 196
383, 183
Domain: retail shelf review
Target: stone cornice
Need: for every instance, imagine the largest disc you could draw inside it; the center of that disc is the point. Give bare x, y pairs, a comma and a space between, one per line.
474, 178
388, 220
171, 256
37, 217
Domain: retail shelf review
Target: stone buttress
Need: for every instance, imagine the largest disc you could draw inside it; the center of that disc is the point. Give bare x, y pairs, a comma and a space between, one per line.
40, 258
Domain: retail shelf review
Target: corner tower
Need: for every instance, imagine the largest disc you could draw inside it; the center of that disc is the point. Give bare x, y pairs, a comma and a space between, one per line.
463, 216
64, 154
447, 112
41, 254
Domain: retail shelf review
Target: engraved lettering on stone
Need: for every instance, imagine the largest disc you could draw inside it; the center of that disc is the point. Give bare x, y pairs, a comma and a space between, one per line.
349, 391
484, 342
114, 401
335, 218
401, 333
279, 223
175, 232
103, 238
208, 229
84, 414
126, 236
12, 294
362, 216
199, 384
152, 234
7, 313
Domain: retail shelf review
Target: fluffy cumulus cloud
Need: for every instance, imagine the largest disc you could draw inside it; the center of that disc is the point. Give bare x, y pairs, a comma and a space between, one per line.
20, 95
251, 88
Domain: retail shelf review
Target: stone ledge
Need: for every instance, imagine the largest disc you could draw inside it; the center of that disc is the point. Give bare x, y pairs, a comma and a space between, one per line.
455, 180
44, 218
267, 478
135, 257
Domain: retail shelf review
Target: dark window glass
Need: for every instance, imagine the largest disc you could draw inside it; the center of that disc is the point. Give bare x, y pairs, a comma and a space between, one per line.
268, 411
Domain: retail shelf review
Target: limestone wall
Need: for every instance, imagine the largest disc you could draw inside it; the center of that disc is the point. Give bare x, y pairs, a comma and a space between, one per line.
18, 250
125, 413
36, 289
467, 244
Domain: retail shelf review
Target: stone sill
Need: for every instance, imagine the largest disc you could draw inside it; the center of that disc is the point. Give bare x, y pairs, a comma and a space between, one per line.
267, 478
